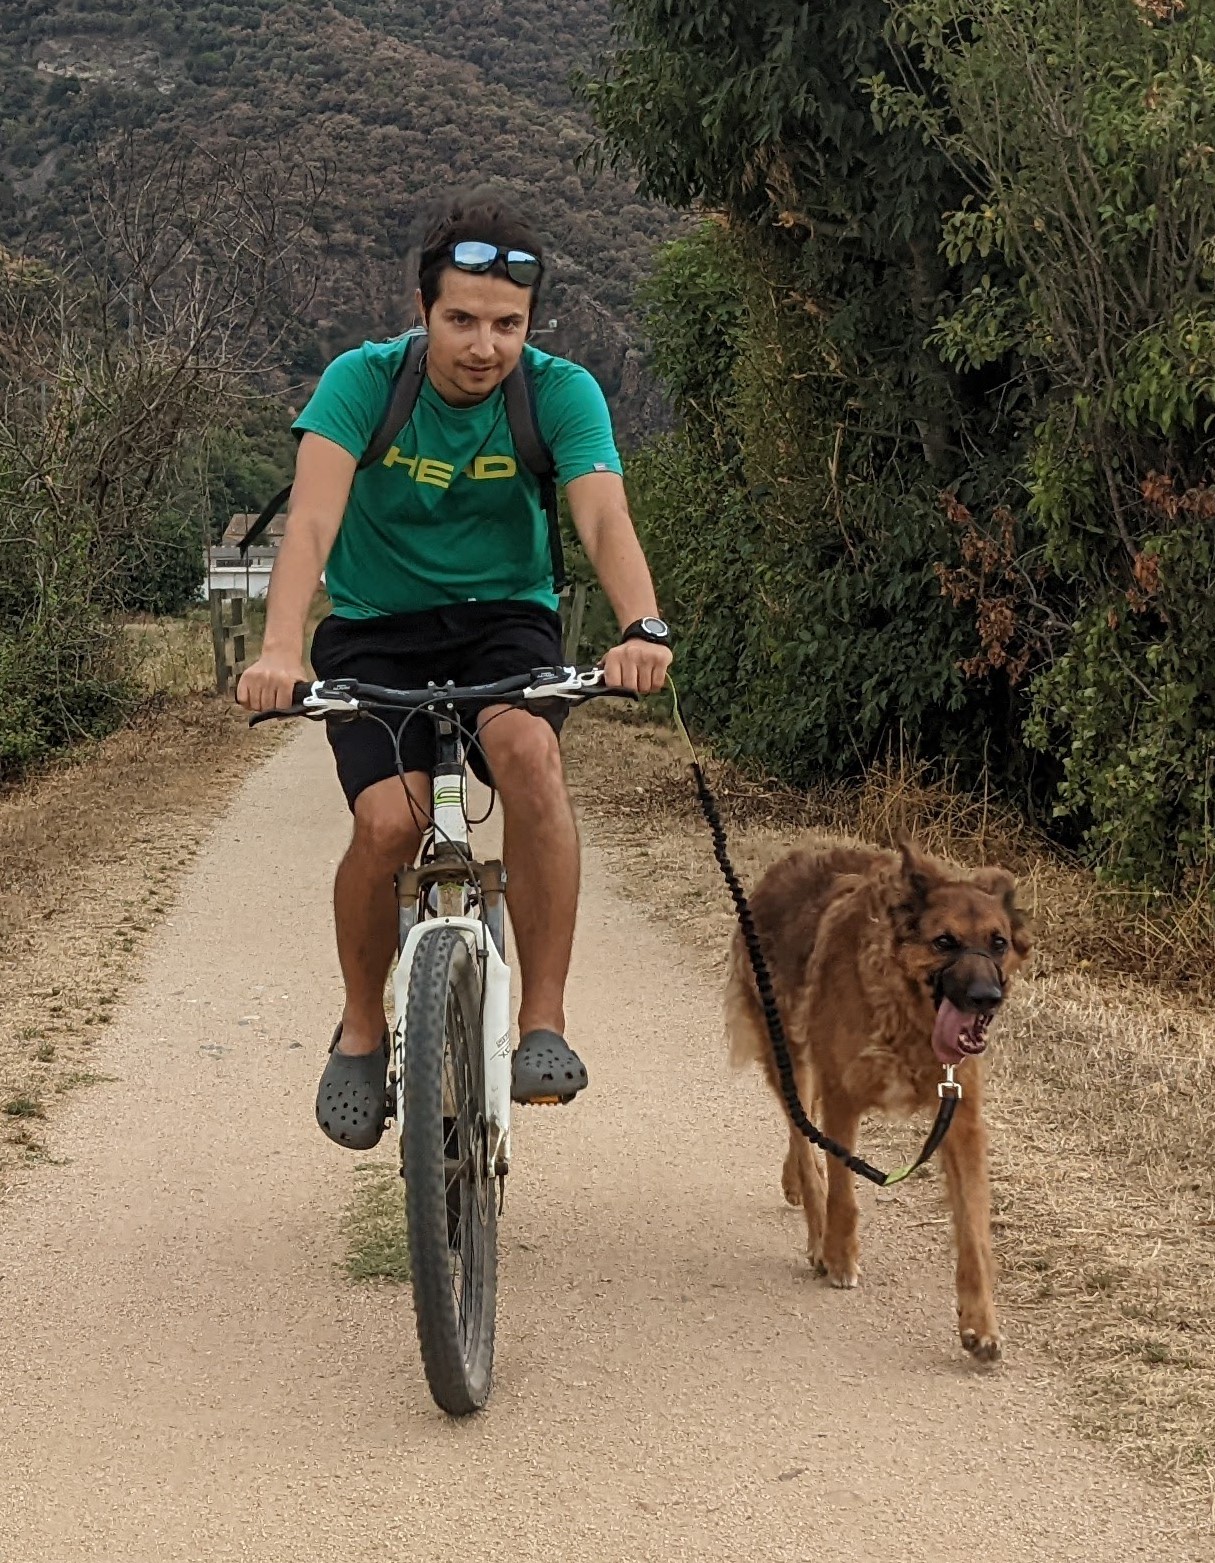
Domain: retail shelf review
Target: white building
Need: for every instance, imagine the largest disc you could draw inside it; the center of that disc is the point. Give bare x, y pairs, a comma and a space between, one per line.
226, 570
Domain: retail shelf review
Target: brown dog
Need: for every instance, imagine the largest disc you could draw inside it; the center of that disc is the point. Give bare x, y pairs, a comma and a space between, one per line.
885, 967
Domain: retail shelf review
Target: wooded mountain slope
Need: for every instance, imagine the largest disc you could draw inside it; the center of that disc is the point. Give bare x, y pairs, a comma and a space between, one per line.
393, 102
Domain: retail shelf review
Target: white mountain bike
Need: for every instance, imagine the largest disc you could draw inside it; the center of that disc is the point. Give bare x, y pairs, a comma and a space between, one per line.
450, 1066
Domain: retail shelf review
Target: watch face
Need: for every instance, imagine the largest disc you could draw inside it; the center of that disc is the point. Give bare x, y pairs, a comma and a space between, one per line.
654, 627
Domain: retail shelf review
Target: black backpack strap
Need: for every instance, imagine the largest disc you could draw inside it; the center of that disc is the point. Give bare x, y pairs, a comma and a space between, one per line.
406, 387
264, 520
519, 396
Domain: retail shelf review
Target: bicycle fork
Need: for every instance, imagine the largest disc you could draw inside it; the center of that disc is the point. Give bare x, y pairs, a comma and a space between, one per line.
495, 1040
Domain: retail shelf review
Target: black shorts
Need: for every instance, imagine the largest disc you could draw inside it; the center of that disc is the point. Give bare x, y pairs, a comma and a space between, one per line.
468, 643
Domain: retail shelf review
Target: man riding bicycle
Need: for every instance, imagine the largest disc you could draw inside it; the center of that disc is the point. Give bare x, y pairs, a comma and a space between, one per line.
438, 566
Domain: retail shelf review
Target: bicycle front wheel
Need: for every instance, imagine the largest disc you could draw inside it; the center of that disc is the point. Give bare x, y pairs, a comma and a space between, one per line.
449, 1193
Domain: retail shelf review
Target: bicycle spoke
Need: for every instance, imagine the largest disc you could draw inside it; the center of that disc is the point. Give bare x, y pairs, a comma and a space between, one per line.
462, 1300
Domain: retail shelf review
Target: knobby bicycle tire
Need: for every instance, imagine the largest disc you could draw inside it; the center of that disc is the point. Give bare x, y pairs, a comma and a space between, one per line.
450, 1198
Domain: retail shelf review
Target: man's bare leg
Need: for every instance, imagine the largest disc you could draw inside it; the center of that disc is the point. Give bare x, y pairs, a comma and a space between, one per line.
540, 847
387, 835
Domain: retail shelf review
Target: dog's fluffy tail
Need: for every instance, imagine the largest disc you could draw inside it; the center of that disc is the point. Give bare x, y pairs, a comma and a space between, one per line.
745, 1034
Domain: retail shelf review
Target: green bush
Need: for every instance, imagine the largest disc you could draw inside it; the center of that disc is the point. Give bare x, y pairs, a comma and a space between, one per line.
57, 689
162, 567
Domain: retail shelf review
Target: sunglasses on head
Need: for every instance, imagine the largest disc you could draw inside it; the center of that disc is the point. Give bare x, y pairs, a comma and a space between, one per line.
474, 255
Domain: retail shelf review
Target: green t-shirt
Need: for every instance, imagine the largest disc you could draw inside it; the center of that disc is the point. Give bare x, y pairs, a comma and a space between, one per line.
450, 514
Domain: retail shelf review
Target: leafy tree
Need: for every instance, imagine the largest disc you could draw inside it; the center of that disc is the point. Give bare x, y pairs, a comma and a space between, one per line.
110, 382
1089, 129
944, 363
797, 514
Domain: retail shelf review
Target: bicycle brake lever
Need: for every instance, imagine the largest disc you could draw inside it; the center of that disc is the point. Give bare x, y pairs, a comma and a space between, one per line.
274, 716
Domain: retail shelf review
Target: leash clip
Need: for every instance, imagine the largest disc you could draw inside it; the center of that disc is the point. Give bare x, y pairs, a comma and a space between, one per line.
950, 1086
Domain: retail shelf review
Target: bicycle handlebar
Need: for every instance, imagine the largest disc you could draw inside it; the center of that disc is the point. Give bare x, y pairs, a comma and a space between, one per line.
346, 696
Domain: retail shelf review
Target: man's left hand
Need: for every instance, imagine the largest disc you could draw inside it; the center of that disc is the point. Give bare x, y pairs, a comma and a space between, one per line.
639, 665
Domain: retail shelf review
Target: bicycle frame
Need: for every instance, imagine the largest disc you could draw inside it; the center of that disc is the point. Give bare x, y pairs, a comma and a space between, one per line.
470, 896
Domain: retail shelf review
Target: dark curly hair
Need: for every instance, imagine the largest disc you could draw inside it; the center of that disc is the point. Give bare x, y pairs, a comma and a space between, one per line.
484, 213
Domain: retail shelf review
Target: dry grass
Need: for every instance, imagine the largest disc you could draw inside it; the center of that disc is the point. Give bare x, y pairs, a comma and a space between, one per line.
1103, 1083
173, 656
1106, 1183
1083, 923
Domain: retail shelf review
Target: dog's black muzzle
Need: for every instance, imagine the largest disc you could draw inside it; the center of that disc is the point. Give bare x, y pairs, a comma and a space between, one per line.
972, 982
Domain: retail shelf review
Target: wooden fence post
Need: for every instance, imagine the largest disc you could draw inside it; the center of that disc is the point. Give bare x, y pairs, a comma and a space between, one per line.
228, 636
576, 612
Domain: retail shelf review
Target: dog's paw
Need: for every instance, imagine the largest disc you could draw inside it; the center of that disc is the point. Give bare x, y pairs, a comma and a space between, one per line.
982, 1347
840, 1263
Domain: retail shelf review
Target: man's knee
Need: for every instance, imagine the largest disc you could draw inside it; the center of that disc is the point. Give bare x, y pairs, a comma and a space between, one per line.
525, 757
384, 825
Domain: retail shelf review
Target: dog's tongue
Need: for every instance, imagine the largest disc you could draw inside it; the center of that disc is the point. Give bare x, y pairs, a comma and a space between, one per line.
947, 1033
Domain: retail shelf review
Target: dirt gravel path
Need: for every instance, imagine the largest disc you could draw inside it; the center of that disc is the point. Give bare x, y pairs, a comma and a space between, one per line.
187, 1374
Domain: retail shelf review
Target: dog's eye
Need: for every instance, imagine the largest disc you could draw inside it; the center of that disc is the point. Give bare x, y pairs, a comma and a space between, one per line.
999, 943
945, 941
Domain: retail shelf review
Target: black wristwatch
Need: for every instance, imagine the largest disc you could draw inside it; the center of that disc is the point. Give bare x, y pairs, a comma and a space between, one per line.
656, 631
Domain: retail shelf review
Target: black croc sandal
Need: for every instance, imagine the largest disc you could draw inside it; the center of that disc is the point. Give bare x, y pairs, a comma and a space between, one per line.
352, 1098
545, 1070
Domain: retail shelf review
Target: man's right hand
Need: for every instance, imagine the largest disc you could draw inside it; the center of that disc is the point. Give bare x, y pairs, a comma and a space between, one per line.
269, 683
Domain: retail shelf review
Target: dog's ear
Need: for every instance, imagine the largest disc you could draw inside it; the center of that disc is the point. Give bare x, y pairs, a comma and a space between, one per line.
1000, 883
918, 873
